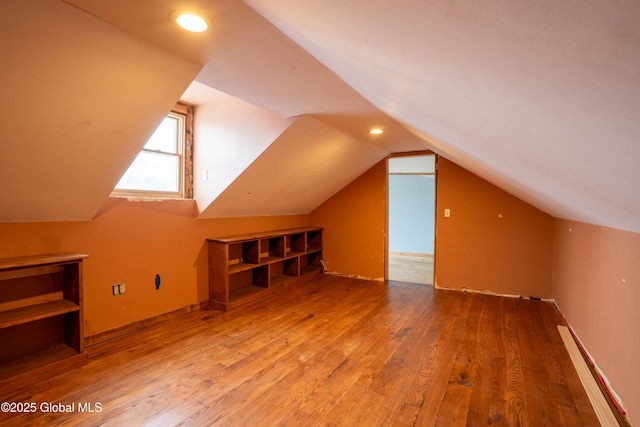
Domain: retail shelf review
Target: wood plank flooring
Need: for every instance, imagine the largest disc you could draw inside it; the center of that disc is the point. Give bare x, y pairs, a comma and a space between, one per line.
333, 351
410, 268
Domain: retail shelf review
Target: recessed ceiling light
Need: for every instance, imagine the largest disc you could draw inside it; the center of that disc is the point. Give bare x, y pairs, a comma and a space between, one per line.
191, 22
375, 131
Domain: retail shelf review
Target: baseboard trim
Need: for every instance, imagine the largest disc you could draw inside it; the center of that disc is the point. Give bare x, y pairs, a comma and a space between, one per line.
614, 401
495, 294
140, 324
597, 396
351, 276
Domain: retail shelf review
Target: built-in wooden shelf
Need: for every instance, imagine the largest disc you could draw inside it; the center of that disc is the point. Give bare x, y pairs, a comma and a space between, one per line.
245, 267
36, 312
41, 318
237, 268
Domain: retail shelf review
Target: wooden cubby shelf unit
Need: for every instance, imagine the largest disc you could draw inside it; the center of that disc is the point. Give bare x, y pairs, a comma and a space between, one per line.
245, 267
41, 318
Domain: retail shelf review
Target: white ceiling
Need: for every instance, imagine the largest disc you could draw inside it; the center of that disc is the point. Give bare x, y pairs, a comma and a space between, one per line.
540, 98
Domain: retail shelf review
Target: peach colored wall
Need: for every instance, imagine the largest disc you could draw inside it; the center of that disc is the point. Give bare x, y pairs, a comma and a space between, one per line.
131, 242
596, 285
492, 241
474, 247
355, 227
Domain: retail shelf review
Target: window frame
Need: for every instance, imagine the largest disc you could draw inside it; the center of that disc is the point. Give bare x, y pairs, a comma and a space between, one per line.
184, 112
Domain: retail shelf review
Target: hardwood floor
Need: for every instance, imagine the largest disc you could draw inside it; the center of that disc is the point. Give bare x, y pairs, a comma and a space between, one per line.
333, 351
410, 268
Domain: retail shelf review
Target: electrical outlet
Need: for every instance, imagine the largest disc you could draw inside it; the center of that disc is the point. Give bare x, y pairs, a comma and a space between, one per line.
117, 289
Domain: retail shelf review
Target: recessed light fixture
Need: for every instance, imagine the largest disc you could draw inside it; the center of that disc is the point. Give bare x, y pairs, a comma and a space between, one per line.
191, 22
375, 131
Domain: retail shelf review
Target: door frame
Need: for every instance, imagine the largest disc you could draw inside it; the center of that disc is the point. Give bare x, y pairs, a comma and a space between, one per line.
435, 208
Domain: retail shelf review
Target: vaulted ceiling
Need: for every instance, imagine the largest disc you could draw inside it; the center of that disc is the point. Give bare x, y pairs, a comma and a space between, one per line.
540, 98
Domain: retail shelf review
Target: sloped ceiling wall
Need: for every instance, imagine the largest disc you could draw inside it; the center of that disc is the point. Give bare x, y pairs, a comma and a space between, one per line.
79, 98
303, 167
252, 162
245, 56
541, 98
89, 81
231, 134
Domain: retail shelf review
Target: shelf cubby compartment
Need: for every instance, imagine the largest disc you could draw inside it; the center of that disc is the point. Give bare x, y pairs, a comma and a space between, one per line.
249, 266
310, 262
34, 337
276, 273
248, 282
244, 255
295, 244
271, 249
314, 240
291, 267
283, 271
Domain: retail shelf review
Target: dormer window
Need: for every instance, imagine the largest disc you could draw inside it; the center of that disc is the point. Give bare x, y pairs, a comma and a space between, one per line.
163, 168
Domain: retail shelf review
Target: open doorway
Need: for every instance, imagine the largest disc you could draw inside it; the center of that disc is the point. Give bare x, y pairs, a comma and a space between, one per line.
411, 218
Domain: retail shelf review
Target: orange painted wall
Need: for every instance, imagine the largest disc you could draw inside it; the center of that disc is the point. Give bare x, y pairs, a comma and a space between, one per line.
596, 285
492, 241
131, 242
355, 225
475, 248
